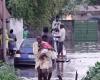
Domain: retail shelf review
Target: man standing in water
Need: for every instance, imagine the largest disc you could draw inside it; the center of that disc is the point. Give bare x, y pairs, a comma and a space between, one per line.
61, 40
45, 70
55, 32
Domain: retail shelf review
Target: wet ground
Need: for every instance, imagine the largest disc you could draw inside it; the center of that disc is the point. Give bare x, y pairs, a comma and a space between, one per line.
85, 56
67, 71
84, 47
82, 62
79, 62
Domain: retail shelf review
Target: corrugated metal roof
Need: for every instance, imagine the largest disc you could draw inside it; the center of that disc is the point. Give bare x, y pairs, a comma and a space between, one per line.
82, 8
88, 8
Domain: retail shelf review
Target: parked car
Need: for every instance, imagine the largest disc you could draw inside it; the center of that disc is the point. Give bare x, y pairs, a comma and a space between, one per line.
25, 55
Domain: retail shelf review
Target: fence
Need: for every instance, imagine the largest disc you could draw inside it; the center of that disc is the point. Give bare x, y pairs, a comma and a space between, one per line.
78, 33
82, 35
85, 31
86, 36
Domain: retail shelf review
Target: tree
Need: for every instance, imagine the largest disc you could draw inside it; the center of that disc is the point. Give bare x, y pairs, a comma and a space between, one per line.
93, 73
35, 12
7, 72
39, 12
72, 6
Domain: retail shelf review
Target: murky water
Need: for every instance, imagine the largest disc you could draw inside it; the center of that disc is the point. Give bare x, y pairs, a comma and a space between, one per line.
85, 47
29, 72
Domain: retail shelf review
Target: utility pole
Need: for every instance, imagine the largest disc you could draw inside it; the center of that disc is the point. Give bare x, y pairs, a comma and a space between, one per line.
4, 30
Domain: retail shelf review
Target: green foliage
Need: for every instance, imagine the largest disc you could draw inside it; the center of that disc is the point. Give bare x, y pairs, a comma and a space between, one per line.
93, 73
35, 12
7, 72
93, 2
72, 6
40, 12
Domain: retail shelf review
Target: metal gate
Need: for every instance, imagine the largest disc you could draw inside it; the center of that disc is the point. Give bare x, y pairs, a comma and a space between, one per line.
85, 31
85, 35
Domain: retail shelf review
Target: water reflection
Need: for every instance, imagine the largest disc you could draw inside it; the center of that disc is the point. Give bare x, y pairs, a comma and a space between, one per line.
60, 69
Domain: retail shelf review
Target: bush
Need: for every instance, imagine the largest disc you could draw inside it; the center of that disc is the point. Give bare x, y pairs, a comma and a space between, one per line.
7, 72
93, 73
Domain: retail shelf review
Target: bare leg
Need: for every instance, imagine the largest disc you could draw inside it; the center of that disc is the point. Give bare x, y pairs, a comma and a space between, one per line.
58, 71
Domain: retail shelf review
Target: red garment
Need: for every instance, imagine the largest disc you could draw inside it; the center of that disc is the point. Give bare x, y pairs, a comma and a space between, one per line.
46, 45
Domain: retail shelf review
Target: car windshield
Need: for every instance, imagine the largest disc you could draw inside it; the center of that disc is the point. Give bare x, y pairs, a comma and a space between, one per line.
27, 43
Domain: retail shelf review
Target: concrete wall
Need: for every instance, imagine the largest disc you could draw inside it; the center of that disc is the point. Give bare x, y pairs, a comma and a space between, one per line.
17, 26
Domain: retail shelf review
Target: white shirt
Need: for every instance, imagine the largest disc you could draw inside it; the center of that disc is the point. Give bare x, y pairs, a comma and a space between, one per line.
56, 36
56, 24
62, 34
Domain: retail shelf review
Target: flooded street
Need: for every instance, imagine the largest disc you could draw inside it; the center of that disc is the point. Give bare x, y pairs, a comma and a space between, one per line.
66, 70
80, 62
26, 71
84, 47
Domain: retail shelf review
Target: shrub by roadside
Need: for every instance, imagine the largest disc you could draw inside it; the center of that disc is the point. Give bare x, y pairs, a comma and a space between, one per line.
7, 72
93, 73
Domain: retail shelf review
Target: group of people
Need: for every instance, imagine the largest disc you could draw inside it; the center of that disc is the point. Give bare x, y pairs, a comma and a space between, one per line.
59, 34
47, 50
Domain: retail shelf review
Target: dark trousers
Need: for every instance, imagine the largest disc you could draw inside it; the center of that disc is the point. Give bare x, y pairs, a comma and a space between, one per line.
60, 47
44, 75
57, 45
12, 52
